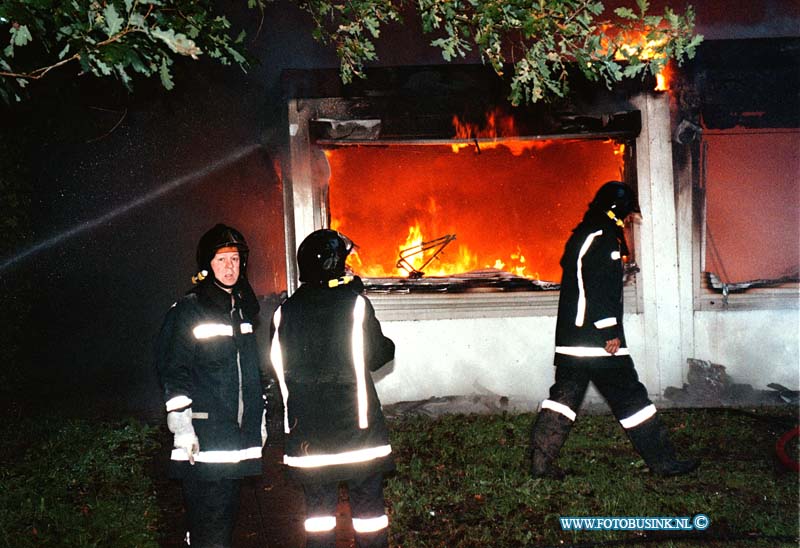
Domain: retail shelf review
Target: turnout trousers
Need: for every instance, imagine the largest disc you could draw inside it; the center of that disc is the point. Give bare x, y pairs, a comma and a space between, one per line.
619, 385
211, 509
628, 400
367, 508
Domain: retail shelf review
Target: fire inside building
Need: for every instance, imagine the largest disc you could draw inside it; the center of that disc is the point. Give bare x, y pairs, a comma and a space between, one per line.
460, 203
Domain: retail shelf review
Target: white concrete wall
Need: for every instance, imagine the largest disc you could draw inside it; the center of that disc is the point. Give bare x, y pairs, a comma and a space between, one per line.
756, 347
506, 356
513, 357
510, 357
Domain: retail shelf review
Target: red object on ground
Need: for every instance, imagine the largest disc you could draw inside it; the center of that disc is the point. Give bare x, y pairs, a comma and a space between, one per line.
780, 449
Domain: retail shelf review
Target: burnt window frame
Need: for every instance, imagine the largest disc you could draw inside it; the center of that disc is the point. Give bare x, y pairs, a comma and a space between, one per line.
747, 84
315, 122
708, 296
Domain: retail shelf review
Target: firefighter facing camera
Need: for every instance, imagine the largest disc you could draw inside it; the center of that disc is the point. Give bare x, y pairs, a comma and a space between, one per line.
591, 347
326, 340
209, 367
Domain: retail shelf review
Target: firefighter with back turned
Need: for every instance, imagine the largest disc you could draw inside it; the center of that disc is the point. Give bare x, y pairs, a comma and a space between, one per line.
326, 340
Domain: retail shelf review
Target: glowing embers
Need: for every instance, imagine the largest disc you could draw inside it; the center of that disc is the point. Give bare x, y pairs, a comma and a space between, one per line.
509, 211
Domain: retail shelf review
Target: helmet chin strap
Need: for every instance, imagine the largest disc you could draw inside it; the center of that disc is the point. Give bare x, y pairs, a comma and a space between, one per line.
226, 287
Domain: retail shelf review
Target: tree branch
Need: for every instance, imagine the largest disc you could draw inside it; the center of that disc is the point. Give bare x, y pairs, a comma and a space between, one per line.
38, 73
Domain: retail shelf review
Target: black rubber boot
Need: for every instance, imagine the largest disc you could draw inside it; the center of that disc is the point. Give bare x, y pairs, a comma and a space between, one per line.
548, 435
651, 440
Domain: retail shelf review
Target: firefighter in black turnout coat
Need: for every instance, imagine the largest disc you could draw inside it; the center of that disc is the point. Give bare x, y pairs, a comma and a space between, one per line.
210, 371
325, 343
590, 343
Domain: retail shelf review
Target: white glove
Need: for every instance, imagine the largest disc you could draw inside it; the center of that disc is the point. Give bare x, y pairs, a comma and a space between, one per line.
180, 424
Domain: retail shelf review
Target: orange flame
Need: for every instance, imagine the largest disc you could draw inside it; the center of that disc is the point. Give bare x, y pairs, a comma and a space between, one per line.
446, 263
496, 125
508, 212
636, 44
663, 78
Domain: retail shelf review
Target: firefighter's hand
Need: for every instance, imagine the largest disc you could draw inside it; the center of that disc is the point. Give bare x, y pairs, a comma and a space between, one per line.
613, 345
180, 424
188, 443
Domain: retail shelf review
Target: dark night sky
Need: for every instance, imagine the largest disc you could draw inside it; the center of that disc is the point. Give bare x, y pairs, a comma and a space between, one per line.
117, 211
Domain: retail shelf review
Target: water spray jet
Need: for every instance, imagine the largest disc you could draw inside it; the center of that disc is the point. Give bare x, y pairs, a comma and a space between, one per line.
125, 208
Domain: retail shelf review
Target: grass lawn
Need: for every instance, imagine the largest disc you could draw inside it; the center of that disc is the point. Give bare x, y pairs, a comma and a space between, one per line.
461, 482
77, 483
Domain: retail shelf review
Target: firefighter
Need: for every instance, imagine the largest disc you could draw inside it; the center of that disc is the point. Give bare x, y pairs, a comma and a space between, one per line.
209, 367
326, 340
590, 343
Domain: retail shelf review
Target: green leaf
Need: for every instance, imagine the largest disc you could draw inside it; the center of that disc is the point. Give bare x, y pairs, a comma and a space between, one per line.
137, 20
20, 36
373, 26
177, 42
632, 70
166, 76
625, 13
123, 75
653, 21
136, 63
102, 66
113, 20
236, 56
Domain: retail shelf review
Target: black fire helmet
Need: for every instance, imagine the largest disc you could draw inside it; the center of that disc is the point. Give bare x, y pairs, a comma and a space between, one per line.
215, 239
617, 197
322, 255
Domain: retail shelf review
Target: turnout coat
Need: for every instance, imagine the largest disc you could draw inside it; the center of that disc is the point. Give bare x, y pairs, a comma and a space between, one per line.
590, 301
207, 359
325, 343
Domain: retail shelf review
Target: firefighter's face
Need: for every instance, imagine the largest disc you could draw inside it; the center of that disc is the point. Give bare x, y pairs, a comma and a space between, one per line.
226, 267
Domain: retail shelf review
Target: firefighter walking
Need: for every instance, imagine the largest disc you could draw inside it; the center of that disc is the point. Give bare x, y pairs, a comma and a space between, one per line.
591, 347
326, 341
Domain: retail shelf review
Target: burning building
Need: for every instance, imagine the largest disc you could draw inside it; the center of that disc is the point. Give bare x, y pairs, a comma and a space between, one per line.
460, 204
